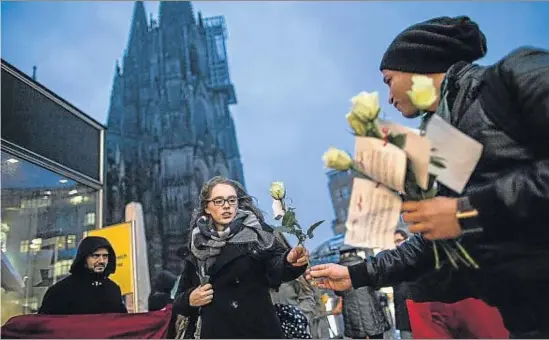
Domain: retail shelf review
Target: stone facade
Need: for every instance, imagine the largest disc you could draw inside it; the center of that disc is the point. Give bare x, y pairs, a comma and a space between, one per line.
169, 124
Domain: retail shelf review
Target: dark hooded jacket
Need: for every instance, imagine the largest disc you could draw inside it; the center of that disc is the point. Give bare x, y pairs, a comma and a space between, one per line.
161, 293
506, 108
83, 291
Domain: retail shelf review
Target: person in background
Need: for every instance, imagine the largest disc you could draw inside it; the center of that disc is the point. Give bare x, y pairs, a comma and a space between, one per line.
402, 292
233, 262
161, 292
88, 289
363, 315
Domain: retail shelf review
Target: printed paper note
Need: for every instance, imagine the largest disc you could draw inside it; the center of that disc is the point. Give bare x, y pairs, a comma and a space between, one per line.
374, 211
381, 161
418, 150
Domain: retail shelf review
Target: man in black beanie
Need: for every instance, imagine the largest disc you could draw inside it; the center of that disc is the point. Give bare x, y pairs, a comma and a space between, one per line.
505, 107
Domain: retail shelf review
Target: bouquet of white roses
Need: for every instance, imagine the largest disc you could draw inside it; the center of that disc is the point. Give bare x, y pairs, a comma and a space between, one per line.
364, 122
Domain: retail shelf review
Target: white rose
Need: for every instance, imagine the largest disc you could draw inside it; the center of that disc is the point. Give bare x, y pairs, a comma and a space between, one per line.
366, 106
337, 159
277, 190
358, 126
423, 93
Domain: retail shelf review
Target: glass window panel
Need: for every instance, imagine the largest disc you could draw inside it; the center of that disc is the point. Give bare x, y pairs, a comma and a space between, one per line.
43, 217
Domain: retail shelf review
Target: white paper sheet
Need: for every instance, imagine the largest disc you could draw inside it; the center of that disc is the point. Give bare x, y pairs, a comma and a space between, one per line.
374, 211
460, 153
418, 150
382, 162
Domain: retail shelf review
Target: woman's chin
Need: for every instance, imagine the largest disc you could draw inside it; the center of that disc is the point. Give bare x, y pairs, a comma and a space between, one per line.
226, 220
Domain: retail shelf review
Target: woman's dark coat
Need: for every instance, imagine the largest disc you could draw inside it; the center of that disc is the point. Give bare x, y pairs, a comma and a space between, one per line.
242, 277
363, 314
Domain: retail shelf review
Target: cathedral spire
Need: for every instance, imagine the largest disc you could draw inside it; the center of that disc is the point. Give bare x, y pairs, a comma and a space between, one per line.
139, 26
176, 12
200, 21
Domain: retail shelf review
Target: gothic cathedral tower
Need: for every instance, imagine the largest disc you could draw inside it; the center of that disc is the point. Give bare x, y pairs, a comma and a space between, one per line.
169, 124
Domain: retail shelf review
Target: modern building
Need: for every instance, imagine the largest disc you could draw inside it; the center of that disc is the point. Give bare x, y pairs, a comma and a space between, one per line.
170, 125
340, 184
52, 188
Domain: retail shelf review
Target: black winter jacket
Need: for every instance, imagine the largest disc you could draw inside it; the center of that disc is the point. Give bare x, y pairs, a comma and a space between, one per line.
85, 292
241, 278
506, 108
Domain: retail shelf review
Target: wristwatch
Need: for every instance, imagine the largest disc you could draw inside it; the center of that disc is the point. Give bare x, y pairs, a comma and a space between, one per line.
467, 216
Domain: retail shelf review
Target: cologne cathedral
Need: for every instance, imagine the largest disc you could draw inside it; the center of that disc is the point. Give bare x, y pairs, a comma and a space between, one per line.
169, 124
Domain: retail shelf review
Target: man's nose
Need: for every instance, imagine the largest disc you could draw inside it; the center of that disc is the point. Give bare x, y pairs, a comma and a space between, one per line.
391, 98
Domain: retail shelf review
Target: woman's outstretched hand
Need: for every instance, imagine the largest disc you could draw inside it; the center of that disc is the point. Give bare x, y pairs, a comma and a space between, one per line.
330, 276
298, 256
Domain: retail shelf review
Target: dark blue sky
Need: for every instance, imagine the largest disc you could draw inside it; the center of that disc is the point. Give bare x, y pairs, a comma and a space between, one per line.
295, 65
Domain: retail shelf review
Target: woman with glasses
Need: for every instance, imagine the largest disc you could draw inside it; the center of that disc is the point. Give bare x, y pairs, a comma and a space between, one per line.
232, 262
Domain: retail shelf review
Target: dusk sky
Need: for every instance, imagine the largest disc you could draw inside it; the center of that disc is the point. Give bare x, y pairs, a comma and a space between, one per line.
295, 65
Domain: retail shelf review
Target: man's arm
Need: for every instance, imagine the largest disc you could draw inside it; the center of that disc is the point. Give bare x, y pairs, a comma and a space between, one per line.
520, 199
407, 262
51, 302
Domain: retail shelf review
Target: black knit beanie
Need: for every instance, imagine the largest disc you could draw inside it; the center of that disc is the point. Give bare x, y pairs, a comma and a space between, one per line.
434, 45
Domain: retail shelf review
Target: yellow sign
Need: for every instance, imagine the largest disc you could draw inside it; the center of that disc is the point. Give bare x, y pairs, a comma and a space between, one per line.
121, 238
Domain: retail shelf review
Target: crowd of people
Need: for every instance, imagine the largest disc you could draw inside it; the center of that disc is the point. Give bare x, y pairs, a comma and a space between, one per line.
240, 279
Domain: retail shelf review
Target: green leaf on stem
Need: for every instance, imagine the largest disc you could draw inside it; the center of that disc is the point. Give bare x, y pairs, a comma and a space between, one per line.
312, 228
289, 219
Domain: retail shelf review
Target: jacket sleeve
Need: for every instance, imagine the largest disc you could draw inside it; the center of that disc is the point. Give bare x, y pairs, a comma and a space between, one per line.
407, 262
52, 303
277, 267
187, 283
519, 199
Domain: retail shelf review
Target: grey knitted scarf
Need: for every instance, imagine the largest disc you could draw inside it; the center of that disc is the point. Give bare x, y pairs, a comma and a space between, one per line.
206, 242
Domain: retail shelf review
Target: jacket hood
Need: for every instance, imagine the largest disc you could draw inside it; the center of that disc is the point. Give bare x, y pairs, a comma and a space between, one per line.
87, 246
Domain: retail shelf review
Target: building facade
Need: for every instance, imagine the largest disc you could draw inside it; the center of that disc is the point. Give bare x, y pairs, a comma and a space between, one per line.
170, 128
52, 188
340, 184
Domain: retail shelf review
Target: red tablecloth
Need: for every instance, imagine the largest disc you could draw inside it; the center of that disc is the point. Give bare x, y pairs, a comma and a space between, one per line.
152, 325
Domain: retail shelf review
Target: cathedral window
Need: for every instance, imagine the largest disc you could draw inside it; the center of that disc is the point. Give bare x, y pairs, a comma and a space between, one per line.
194, 60
220, 47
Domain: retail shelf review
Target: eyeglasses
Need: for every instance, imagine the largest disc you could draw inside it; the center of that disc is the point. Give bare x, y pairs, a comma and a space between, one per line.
220, 201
